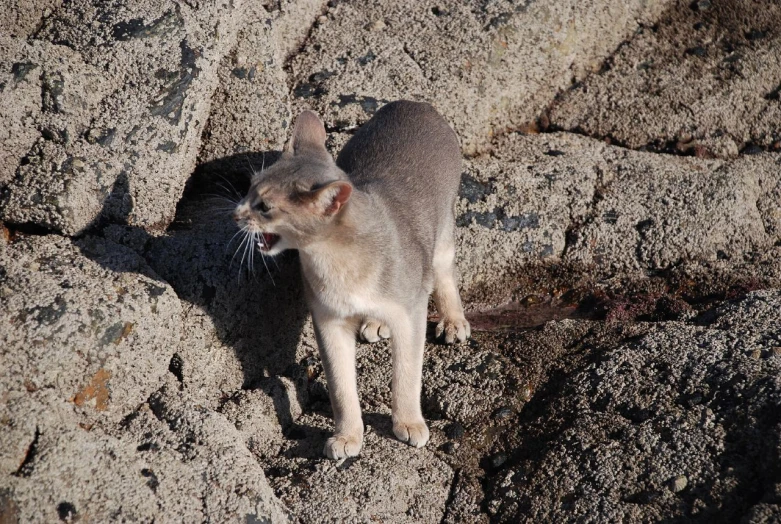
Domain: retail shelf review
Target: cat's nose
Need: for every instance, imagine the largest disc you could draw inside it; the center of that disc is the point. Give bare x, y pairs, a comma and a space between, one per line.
236, 216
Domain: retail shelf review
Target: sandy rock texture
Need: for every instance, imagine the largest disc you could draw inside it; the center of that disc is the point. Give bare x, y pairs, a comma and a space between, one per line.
488, 66
682, 420
705, 81
619, 244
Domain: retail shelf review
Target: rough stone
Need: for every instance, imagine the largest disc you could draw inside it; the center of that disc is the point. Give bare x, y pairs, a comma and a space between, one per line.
685, 398
566, 197
699, 82
88, 322
504, 60
135, 133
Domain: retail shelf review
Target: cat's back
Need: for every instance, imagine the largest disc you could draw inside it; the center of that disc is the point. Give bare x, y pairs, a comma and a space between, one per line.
406, 152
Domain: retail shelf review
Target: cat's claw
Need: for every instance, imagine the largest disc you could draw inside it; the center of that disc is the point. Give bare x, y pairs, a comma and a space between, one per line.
343, 446
454, 330
374, 331
413, 433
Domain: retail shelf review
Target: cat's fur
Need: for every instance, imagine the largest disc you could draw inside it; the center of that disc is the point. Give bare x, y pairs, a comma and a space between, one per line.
375, 235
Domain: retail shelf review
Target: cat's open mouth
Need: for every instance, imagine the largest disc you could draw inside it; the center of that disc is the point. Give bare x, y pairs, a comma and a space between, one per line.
267, 241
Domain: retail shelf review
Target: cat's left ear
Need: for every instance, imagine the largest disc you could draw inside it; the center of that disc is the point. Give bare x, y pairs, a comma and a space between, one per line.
308, 136
330, 198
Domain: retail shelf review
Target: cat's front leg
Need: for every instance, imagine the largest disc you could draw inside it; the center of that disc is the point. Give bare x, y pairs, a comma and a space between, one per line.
407, 344
336, 340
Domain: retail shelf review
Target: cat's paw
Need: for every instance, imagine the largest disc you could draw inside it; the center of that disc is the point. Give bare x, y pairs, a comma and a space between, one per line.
343, 446
413, 433
374, 331
453, 330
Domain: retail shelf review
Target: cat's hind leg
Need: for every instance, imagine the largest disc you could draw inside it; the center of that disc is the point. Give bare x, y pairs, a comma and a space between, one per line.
453, 326
373, 331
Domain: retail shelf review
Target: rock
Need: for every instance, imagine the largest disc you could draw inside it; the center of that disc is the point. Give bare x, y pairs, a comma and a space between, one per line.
614, 430
619, 211
389, 481
136, 130
197, 470
678, 483
247, 320
22, 18
724, 97
89, 326
504, 61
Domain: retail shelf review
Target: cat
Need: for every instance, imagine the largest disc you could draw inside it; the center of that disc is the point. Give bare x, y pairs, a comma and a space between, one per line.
375, 235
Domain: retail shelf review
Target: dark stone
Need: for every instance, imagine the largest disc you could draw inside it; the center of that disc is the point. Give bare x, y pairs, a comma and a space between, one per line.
756, 34
697, 51
515, 223
752, 149
367, 58
485, 219
135, 28
20, 70
554, 152
474, 191
176, 367
66, 511
148, 446
455, 431
152, 481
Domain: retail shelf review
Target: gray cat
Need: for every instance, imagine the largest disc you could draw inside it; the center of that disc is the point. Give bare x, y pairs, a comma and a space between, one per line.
375, 235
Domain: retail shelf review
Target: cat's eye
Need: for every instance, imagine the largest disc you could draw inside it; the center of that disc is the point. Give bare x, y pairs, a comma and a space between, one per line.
261, 206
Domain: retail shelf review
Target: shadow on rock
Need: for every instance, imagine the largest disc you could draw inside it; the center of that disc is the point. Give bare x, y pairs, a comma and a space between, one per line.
241, 321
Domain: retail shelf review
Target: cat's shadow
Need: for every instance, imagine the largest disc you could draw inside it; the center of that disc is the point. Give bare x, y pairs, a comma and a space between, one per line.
258, 310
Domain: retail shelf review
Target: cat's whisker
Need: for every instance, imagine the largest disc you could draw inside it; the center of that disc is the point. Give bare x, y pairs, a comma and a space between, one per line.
243, 240
231, 189
228, 245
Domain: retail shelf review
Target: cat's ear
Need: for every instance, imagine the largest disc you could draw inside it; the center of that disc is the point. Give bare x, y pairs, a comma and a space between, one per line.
330, 199
308, 135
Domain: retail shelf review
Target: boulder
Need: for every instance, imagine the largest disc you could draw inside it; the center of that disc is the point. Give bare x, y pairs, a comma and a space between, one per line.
487, 66
704, 81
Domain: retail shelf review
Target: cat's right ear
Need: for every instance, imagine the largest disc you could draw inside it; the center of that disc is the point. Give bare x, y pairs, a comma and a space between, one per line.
329, 199
308, 136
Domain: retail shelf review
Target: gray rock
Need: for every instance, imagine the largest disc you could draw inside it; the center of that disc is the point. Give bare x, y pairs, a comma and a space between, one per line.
487, 66
87, 322
683, 399
170, 460
124, 146
566, 197
702, 82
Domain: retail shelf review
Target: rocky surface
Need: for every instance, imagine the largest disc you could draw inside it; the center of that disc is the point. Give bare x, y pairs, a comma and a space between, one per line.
619, 243
488, 66
703, 81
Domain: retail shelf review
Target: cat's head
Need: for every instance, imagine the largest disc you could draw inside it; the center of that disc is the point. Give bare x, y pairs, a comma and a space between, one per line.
295, 201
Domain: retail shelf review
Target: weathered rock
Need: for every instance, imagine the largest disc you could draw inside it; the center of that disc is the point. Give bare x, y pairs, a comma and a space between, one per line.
172, 460
487, 66
22, 18
88, 322
389, 481
702, 81
562, 196
124, 146
612, 439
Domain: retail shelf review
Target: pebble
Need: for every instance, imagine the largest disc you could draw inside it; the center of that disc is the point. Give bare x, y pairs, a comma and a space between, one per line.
498, 459
526, 393
503, 413
777, 351
377, 25
455, 431
756, 354
679, 483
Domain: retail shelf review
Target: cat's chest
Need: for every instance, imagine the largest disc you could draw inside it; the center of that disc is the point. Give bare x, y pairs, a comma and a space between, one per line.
345, 302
